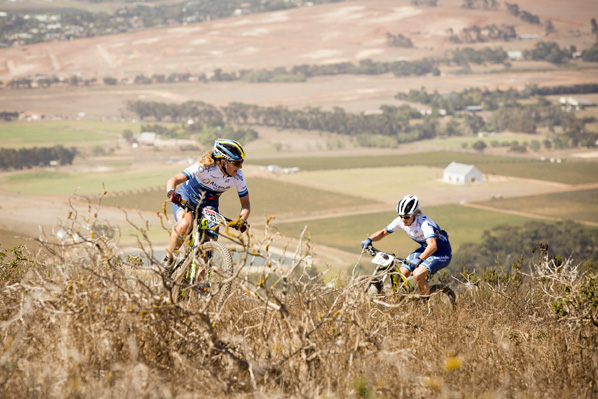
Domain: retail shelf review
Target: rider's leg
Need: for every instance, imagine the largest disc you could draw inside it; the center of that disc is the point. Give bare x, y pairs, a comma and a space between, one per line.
428, 267
405, 268
420, 275
185, 220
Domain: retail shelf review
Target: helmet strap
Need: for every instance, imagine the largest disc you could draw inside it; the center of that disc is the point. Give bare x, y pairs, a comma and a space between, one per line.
223, 167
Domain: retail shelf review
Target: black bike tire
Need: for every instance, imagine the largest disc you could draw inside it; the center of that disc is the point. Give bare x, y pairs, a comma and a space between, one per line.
223, 272
446, 292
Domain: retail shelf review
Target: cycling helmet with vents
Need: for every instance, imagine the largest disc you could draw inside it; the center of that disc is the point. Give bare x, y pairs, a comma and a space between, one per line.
408, 205
230, 150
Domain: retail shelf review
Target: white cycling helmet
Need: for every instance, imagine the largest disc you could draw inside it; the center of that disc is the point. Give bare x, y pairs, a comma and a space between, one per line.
408, 205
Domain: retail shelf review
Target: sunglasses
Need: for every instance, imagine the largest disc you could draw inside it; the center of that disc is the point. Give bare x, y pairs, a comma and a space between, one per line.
238, 163
405, 217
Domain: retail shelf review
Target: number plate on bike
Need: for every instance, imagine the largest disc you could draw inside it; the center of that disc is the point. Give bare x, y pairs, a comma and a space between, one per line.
213, 217
383, 259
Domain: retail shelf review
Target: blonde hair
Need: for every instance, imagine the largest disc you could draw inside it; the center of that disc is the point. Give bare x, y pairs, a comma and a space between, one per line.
207, 159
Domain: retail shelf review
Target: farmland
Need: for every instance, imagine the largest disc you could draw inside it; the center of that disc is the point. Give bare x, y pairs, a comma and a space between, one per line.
83, 319
340, 206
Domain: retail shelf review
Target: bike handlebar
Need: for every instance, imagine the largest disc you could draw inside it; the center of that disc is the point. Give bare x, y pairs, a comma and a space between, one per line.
242, 227
373, 251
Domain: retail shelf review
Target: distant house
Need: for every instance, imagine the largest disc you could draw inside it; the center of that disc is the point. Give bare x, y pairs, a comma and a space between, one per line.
473, 108
529, 36
570, 103
31, 116
515, 55
459, 173
147, 138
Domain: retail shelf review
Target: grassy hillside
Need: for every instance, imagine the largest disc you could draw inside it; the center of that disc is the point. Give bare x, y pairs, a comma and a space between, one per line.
463, 225
579, 205
67, 133
268, 198
104, 327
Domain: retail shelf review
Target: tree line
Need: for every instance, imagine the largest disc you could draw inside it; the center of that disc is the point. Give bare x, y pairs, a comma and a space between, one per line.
510, 245
394, 124
24, 158
8, 116
297, 73
508, 113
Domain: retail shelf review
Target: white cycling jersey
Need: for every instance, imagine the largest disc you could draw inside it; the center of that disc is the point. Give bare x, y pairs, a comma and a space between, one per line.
420, 230
210, 182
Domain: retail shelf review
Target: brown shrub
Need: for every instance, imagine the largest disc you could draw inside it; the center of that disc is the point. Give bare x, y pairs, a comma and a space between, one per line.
84, 321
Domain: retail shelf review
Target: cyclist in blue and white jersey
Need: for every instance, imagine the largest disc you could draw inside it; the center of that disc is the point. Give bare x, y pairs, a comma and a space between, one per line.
434, 252
201, 185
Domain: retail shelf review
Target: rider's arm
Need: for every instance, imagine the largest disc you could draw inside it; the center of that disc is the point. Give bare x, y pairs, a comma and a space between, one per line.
380, 234
430, 248
245, 207
173, 182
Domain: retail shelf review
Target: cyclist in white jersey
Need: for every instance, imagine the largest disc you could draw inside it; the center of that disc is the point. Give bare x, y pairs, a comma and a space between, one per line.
201, 185
434, 252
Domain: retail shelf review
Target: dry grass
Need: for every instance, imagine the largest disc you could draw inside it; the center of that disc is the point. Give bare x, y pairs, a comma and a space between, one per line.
82, 321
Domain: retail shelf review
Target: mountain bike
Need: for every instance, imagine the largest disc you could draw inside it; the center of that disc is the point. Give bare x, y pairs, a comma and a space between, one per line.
203, 268
387, 280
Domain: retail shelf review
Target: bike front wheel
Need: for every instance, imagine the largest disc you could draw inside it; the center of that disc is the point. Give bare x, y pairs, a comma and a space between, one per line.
442, 296
203, 277
219, 270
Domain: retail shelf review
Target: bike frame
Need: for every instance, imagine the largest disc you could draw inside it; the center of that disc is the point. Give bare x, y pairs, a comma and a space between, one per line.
392, 270
388, 265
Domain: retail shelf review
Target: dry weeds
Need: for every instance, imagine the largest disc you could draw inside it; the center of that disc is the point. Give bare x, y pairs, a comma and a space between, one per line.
81, 321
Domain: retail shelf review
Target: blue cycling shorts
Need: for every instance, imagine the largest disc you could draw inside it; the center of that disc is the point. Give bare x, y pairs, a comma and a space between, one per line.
434, 263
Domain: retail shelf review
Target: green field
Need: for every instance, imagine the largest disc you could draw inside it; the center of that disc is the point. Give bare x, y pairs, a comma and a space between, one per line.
456, 143
575, 205
566, 172
463, 225
67, 133
47, 182
268, 198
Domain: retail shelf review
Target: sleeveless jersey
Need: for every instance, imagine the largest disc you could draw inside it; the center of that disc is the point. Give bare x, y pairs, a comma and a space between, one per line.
210, 182
420, 230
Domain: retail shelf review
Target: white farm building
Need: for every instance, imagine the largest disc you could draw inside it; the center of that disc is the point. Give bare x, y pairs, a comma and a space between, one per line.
459, 173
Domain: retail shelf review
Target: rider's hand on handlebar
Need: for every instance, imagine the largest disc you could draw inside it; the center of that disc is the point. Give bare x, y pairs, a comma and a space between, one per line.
242, 226
414, 263
176, 198
365, 244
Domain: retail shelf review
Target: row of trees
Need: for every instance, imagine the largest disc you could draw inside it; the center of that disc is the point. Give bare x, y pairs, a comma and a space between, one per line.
508, 113
526, 16
551, 52
511, 244
22, 158
204, 133
8, 116
486, 4
454, 102
297, 73
487, 33
400, 123
393, 125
